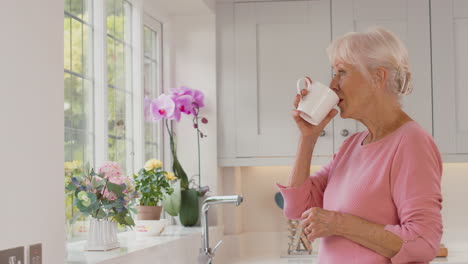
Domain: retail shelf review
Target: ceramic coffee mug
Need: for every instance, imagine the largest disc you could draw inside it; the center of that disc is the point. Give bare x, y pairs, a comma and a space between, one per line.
319, 101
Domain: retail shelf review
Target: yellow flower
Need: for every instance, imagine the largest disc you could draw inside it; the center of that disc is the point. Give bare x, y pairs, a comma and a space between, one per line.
76, 164
153, 164
72, 165
170, 176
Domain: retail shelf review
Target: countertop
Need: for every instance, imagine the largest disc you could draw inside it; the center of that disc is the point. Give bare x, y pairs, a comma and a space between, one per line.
132, 243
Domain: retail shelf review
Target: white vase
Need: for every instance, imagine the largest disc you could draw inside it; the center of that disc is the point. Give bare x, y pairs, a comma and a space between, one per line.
102, 235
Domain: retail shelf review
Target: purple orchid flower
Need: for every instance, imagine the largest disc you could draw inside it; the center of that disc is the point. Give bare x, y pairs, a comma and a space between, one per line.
183, 104
162, 107
198, 97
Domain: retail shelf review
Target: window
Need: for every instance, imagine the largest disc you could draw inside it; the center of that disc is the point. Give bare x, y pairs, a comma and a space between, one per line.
119, 81
101, 101
78, 94
152, 83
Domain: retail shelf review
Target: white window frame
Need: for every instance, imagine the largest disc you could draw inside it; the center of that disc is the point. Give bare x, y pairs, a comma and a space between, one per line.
156, 26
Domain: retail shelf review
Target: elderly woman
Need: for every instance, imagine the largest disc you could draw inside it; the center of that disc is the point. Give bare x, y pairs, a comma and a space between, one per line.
379, 199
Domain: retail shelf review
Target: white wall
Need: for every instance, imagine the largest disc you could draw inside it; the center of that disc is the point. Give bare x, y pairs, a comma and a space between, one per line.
31, 115
194, 65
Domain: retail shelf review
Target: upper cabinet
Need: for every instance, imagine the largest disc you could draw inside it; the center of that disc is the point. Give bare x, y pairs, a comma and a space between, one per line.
264, 47
409, 20
275, 44
450, 78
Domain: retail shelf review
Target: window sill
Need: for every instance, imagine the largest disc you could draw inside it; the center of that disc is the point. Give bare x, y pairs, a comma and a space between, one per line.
175, 242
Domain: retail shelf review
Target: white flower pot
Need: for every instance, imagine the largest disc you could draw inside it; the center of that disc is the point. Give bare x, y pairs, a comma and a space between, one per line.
102, 235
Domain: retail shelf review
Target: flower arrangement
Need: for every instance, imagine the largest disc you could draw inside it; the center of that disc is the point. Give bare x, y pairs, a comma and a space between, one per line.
107, 194
152, 183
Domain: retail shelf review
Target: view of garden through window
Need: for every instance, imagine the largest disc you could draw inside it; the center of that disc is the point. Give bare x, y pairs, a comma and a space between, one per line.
80, 106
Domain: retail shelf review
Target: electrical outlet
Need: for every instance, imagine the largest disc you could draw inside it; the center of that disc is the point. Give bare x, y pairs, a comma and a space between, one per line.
35, 254
12, 256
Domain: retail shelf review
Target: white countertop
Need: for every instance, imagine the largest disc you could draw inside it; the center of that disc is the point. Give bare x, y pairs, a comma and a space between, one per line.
185, 241
455, 257
130, 243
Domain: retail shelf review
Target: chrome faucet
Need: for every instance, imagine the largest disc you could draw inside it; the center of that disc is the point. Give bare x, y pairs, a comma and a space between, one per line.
206, 253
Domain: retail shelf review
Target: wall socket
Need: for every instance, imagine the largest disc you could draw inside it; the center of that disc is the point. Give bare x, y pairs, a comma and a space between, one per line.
12, 256
35, 254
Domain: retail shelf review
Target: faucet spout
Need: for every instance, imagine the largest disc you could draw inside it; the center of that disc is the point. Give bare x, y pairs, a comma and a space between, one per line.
206, 250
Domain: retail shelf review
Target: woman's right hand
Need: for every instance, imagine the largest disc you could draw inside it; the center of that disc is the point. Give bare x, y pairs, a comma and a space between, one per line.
307, 129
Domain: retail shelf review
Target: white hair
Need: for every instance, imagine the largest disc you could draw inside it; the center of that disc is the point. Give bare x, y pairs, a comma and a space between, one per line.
375, 48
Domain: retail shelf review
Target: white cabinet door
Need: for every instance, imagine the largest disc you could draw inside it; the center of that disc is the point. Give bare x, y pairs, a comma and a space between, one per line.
409, 19
275, 44
450, 74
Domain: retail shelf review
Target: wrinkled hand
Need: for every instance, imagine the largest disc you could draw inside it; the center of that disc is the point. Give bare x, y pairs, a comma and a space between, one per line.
318, 222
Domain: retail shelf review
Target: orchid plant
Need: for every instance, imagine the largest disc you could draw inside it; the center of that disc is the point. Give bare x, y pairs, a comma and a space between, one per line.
107, 194
170, 107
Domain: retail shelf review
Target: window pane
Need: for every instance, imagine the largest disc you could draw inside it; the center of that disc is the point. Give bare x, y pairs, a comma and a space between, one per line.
78, 116
119, 19
77, 46
148, 80
150, 91
87, 49
67, 104
111, 60
147, 41
88, 11
151, 151
76, 8
67, 4
119, 66
118, 151
110, 17
67, 44
127, 21
118, 113
78, 100
88, 102
78, 146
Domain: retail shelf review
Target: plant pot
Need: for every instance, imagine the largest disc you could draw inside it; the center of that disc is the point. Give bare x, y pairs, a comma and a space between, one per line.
148, 212
189, 210
102, 235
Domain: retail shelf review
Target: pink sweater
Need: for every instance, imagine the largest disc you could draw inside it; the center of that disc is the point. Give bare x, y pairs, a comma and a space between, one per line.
394, 181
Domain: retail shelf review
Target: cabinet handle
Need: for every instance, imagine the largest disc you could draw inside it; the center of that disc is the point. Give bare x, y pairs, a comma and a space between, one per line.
322, 133
344, 132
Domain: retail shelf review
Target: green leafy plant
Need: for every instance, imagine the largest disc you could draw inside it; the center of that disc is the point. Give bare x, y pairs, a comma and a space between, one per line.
153, 183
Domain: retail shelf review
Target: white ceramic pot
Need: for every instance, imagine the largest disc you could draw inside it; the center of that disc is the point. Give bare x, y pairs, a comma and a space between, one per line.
150, 227
102, 235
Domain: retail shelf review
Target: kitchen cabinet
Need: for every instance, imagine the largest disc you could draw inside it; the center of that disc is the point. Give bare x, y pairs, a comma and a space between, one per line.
450, 80
264, 47
275, 44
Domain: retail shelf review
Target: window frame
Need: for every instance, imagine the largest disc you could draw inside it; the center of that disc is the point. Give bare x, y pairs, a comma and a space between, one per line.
156, 26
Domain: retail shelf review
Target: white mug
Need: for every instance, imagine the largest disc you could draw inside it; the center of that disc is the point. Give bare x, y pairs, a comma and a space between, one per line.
319, 101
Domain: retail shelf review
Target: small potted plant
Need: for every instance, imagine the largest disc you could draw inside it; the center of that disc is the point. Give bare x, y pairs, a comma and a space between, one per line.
106, 196
152, 184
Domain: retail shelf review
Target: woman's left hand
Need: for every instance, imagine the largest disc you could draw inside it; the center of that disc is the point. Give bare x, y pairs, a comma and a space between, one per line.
318, 222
